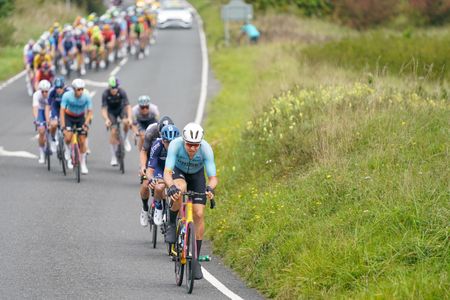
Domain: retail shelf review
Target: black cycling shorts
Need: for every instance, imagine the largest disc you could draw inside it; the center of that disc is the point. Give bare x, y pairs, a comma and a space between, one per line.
142, 125
195, 182
75, 122
113, 115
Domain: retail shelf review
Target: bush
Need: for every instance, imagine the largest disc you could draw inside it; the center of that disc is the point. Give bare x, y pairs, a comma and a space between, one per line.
6, 7
435, 12
362, 14
6, 32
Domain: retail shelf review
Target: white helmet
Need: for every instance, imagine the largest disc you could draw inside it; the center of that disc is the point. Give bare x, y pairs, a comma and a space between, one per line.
37, 48
44, 85
193, 133
78, 83
144, 100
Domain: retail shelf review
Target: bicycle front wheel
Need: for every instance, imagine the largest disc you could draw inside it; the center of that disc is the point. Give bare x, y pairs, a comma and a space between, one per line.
191, 256
76, 163
47, 154
179, 265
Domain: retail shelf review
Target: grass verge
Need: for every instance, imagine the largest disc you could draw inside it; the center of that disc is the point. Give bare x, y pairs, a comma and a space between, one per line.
336, 188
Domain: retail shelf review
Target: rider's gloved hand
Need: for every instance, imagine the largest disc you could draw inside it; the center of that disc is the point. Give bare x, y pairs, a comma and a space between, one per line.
210, 192
152, 183
173, 190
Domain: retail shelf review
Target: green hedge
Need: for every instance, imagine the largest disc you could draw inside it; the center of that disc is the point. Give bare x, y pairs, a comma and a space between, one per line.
419, 55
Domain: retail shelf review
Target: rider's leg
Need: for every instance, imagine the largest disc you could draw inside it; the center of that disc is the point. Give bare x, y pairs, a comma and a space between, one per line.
53, 127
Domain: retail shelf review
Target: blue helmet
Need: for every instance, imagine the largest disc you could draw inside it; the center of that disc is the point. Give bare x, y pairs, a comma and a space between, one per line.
59, 82
169, 132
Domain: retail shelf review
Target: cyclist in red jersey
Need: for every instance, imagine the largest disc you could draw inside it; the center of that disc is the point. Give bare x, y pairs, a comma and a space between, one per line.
44, 72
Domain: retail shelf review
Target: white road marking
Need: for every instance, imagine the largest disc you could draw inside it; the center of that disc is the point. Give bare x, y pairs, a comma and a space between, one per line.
205, 66
198, 119
23, 154
123, 61
12, 79
96, 83
115, 71
213, 280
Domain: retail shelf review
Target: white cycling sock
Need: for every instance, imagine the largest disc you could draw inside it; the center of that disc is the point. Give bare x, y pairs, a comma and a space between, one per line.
113, 150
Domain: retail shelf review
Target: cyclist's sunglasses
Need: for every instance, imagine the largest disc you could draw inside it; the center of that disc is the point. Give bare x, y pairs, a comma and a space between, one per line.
80, 89
190, 145
144, 106
44, 91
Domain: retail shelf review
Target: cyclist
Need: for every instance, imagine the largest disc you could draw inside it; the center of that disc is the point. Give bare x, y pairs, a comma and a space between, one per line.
251, 31
28, 56
80, 46
76, 112
156, 164
39, 104
44, 72
144, 114
40, 57
67, 48
151, 134
53, 107
115, 105
187, 158
109, 38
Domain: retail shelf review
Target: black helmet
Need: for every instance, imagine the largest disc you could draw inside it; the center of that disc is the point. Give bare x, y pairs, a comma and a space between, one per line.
163, 122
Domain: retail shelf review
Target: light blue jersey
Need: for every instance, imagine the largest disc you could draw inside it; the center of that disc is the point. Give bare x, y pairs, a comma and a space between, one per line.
76, 106
177, 156
250, 30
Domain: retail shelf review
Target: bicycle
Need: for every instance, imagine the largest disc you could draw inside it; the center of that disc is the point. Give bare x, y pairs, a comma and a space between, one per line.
60, 149
120, 152
165, 217
184, 250
75, 152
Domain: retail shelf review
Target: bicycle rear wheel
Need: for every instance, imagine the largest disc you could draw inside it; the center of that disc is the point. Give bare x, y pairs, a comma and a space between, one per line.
191, 256
154, 235
60, 155
47, 154
76, 163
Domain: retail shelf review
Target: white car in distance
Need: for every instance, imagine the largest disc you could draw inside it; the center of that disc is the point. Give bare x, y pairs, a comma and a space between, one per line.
174, 14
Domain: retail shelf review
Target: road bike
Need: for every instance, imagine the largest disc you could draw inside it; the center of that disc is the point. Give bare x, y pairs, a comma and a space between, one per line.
75, 152
59, 137
165, 217
184, 250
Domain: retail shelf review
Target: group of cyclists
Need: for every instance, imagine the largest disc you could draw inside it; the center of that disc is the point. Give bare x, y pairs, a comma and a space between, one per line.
91, 42
171, 162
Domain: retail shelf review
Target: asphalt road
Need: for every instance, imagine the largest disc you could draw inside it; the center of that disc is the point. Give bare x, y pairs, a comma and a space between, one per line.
60, 239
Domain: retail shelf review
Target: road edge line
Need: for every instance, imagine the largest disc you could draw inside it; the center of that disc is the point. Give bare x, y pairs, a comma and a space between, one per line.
12, 79
205, 66
219, 285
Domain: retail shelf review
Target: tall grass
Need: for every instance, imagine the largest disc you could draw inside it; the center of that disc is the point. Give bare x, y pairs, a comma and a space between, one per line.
378, 52
335, 188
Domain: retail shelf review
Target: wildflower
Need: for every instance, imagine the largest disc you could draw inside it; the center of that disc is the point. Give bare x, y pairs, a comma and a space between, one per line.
328, 176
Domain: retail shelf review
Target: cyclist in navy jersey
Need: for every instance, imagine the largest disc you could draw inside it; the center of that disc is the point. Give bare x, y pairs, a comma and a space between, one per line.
53, 107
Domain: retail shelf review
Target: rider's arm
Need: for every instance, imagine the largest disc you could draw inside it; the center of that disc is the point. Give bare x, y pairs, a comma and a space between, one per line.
210, 165
143, 159
62, 113
35, 104
89, 110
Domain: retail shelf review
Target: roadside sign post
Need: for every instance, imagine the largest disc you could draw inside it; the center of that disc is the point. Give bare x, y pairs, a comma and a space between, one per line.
236, 10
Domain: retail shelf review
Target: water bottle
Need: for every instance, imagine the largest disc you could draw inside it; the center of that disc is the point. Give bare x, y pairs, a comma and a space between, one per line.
204, 258
158, 205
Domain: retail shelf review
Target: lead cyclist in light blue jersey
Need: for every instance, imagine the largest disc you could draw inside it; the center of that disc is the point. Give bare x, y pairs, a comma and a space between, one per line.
187, 158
